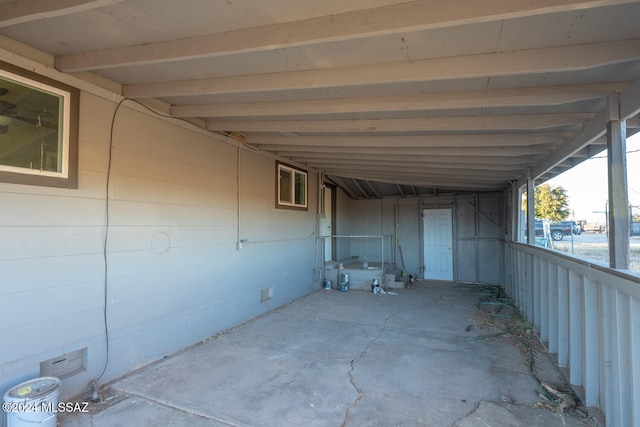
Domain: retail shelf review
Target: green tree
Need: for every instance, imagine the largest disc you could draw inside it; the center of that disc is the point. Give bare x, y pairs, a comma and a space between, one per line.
551, 203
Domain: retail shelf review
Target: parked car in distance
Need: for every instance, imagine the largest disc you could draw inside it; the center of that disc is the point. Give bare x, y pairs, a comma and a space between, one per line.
567, 227
558, 229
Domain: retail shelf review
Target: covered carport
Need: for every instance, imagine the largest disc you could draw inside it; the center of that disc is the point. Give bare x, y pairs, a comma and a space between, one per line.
393, 106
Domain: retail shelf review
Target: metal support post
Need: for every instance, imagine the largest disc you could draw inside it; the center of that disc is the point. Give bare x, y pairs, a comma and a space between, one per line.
619, 221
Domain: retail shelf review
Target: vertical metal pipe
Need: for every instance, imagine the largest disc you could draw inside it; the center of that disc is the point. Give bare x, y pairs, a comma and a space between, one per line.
382, 252
476, 200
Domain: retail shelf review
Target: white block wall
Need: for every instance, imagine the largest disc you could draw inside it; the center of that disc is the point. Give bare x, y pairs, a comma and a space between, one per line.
174, 274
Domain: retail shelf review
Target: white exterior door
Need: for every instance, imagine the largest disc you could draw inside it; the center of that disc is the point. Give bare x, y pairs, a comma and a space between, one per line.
438, 244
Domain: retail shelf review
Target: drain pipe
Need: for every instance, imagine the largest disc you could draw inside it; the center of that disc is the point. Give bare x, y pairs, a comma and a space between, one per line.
238, 241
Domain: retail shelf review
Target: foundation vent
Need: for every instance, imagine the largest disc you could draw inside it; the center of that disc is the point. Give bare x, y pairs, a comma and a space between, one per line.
65, 365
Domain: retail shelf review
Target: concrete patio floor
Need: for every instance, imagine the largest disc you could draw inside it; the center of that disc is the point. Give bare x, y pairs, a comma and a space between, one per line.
419, 358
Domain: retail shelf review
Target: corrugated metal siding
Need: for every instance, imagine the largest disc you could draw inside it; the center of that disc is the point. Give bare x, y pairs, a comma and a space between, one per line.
478, 225
589, 315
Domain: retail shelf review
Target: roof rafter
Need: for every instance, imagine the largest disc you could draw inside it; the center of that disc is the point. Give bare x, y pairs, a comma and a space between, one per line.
410, 141
476, 161
20, 12
433, 124
411, 151
488, 98
630, 101
530, 61
424, 176
342, 184
453, 184
393, 19
399, 163
373, 190
418, 169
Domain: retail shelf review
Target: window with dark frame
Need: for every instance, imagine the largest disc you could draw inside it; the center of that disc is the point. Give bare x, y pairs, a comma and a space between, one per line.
38, 129
291, 187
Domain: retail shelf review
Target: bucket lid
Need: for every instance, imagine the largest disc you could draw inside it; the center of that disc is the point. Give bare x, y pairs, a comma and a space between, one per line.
35, 388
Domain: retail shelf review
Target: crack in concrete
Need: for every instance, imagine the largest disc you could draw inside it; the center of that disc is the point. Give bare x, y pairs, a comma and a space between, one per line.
359, 391
475, 408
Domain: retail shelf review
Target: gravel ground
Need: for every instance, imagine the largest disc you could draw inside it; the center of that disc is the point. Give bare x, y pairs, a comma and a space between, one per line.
595, 246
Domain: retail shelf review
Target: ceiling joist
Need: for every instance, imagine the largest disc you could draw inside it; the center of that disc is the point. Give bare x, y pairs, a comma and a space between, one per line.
413, 151
543, 96
424, 124
392, 19
20, 12
530, 61
476, 161
410, 141
419, 169
427, 174
400, 164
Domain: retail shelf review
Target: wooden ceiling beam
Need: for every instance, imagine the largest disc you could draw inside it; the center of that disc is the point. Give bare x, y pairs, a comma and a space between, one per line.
630, 101
453, 184
379, 166
21, 12
426, 175
373, 190
529, 61
488, 98
285, 150
342, 184
392, 19
434, 165
476, 161
397, 141
595, 129
515, 122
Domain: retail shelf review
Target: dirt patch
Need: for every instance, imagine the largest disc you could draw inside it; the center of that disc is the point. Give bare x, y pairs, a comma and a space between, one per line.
498, 313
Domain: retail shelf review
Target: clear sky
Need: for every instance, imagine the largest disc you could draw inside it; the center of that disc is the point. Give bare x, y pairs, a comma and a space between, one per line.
586, 184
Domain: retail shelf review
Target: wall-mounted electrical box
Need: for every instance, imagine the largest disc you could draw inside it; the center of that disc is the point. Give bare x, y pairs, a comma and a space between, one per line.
325, 227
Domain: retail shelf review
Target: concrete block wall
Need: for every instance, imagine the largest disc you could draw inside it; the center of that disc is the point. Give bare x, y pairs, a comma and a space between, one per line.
177, 205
